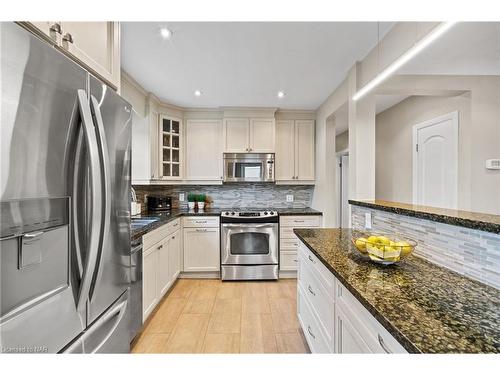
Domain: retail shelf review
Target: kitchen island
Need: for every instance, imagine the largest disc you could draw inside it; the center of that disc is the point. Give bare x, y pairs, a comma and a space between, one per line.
426, 308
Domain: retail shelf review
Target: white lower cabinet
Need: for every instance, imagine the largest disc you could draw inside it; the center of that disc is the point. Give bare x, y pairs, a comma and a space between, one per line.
349, 339
149, 297
201, 249
175, 251
163, 274
161, 264
332, 319
289, 243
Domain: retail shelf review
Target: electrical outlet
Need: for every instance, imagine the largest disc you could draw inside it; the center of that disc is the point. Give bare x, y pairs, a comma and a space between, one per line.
368, 220
181, 197
289, 197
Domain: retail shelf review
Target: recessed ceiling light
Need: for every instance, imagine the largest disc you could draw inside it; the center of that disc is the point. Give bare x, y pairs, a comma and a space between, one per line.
165, 33
197, 93
281, 94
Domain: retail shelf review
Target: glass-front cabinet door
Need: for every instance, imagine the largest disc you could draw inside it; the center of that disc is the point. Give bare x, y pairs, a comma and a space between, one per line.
170, 147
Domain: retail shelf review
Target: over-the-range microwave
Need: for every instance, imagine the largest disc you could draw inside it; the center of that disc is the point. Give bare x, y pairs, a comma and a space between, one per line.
247, 167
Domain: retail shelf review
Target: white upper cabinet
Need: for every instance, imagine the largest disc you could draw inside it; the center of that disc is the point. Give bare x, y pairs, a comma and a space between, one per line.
141, 146
304, 150
262, 133
204, 150
236, 135
248, 135
295, 151
285, 150
96, 45
170, 148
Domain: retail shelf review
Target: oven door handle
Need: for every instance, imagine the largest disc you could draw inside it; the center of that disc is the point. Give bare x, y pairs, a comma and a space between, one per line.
249, 225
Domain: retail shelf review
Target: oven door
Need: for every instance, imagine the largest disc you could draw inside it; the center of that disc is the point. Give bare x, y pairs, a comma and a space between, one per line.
249, 244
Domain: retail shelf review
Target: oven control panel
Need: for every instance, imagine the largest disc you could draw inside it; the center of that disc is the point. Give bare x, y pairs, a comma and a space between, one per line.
249, 214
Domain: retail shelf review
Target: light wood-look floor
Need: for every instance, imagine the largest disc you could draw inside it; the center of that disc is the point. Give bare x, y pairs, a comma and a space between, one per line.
211, 316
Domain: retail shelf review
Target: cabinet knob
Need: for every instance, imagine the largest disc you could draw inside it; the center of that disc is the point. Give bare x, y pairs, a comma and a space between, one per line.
67, 38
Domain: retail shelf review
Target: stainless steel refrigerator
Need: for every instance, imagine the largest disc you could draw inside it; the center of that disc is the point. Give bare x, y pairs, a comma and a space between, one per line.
65, 193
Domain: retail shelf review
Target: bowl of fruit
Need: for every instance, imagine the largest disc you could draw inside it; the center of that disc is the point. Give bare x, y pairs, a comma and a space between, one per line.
384, 249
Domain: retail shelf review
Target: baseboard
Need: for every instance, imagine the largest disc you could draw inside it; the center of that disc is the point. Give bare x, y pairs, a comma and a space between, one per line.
288, 275
200, 275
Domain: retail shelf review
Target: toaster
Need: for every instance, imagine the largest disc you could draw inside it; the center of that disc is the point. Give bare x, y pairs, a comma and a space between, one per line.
159, 203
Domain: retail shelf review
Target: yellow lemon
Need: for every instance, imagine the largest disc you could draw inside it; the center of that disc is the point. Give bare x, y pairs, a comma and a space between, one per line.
405, 247
373, 239
361, 244
384, 240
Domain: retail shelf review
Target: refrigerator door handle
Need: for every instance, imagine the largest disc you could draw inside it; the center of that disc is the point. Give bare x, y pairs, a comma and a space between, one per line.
96, 200
103, 152
74, 202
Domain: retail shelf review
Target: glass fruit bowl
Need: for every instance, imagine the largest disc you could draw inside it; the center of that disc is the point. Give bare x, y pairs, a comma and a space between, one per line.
382, 248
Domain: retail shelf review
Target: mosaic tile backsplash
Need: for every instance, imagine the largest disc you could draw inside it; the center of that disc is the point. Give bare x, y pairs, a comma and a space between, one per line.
470, 252
258, 195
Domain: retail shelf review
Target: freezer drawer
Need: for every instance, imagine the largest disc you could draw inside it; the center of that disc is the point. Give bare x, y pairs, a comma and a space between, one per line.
109, 333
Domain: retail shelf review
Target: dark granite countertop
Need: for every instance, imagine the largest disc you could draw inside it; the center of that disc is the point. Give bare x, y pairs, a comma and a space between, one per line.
428, 309
167, 216
473, 220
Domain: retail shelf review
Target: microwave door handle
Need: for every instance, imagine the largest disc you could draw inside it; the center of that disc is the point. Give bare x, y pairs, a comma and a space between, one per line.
103, 150
96, 199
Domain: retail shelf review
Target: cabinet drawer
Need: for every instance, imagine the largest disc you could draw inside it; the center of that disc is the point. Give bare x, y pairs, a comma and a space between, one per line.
314, 265
288, 260
312, 332
320, 300
201, 221
300, 221
375, 335
155, 236
289, 244
287, 233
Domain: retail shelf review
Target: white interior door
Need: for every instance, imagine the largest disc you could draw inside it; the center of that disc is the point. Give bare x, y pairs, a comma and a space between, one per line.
345, 216
435, 162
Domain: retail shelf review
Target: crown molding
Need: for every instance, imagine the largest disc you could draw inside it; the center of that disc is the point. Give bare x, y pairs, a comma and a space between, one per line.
295, 114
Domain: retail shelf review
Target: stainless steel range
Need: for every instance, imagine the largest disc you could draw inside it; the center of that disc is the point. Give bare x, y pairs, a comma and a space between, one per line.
249, 245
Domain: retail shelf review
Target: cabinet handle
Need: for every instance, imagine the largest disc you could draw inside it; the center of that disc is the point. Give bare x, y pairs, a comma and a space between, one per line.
201, 230
56, 28
160, 247
67, 38
309, 329
296, 260
311, 259
298, 221
311, 291
382, 344
201, 222
173, 237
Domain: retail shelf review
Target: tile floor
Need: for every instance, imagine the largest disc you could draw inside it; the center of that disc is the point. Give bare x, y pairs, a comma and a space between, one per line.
211, 316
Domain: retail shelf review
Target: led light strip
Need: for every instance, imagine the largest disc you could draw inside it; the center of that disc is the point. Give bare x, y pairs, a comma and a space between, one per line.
404, 58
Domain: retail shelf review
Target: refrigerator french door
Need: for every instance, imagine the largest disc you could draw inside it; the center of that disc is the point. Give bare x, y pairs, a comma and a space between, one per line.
65, 188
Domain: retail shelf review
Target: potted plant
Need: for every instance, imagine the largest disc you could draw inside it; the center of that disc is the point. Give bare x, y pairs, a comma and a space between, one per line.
191, 200
200, 199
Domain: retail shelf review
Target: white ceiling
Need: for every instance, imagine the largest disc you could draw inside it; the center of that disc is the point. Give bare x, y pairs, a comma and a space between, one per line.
245, 64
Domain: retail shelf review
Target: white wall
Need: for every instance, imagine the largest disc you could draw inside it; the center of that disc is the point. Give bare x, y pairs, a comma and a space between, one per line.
394, 147
342, 141
479, 129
